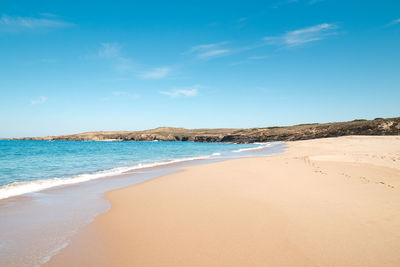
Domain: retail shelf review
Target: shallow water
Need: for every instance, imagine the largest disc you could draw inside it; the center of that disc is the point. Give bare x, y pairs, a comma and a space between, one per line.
36, 225
29, 166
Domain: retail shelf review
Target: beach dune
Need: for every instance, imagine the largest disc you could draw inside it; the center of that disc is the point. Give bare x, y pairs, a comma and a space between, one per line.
324, 202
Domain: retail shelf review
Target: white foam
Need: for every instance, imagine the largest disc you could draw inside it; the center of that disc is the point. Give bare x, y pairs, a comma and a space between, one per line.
20, 188
53, 252
262, 146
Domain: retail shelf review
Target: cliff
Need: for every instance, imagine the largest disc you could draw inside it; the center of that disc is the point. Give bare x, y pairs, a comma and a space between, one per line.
377, 126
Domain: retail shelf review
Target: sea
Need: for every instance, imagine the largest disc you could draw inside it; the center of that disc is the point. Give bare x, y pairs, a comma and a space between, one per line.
49, 190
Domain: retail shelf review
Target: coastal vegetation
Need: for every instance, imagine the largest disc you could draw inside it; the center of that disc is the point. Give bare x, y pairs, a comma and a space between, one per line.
378, 126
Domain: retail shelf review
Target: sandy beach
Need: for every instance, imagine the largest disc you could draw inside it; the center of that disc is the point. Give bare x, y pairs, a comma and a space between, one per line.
324, 202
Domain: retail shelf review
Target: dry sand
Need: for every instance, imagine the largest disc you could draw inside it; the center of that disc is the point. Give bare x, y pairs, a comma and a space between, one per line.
326, 202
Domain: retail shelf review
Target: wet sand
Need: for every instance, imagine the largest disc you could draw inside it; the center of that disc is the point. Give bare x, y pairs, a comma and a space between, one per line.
325, 202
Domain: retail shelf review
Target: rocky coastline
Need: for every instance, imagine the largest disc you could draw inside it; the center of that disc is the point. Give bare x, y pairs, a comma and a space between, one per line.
379, 126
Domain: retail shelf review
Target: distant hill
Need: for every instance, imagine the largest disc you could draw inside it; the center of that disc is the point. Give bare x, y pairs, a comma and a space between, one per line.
377, 126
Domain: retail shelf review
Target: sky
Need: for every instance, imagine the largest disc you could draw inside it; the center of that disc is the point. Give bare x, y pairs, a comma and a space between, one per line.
75, 66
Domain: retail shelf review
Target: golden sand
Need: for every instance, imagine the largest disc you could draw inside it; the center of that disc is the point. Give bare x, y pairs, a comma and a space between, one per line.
325, 202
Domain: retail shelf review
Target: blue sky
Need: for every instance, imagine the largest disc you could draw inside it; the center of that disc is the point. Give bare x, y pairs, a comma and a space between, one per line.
68, 67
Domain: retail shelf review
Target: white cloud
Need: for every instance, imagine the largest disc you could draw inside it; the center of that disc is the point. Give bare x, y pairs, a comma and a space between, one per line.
121, 94
124, 65
259, 57
109, 50
48, 15
213, 53
125, 95
188, 92
13, 24
314, 1
157, 73
39, 100
118, 93
112, 52
206, 46
304, 35
207, 51
396, 21
285, 2
242, 22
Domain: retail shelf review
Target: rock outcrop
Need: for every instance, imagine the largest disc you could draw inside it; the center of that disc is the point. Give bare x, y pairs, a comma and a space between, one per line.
377, 126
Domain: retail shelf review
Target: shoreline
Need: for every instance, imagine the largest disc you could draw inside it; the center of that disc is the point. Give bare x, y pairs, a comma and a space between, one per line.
36, 225
18, 189
323, 202
54, 183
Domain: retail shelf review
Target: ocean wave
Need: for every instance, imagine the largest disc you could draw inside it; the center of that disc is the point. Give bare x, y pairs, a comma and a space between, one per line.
20, 188
262, 146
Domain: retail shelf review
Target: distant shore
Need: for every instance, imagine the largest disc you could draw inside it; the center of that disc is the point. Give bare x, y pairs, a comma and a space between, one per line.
378, 126
325, 202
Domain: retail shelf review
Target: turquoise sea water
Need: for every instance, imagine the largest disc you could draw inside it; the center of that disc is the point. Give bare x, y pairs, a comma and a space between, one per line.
51, 190
28, 166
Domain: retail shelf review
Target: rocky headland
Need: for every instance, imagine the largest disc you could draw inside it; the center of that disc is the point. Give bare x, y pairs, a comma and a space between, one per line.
379, 126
